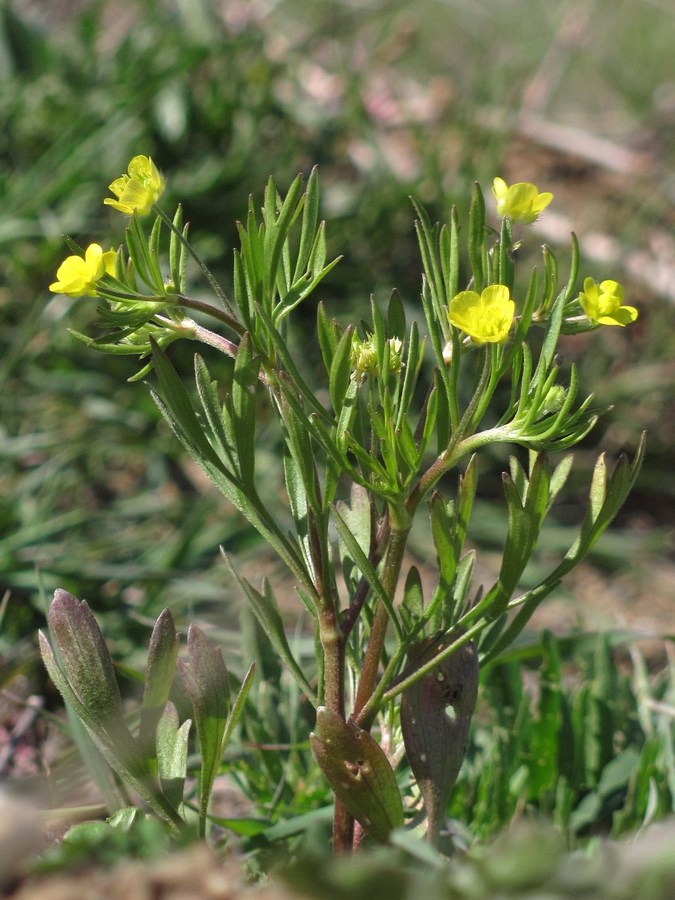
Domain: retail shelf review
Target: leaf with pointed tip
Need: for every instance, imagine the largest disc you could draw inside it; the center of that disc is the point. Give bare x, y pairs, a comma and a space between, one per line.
267, 613
366, 569
219, 419
359, 773
477, 240
604, 503
180, 408
310, 217
395, 316
412, 369
413, 600
206, 681
84, 657
159, 674
238, 704
244, 382
340, 370
328, 334
436, 742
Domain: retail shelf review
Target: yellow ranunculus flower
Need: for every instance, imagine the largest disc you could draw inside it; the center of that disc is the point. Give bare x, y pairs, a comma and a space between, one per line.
520, 202
602, 303
137, 191
486, 317
78, 277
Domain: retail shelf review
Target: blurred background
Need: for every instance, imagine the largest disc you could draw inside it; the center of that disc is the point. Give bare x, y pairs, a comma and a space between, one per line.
390, 99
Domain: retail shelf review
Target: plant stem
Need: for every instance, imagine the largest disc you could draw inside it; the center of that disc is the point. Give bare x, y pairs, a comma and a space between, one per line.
373, 654
218, 291
333, 654
343, 829
334, 698
214, 312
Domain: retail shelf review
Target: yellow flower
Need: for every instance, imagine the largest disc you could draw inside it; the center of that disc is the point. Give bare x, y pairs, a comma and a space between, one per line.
486, 317
602, 303
520, 202
78, 277
137, 191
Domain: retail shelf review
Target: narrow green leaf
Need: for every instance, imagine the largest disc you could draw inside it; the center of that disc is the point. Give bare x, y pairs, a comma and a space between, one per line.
176, 250
412, 369
301, 289
428, 420
267, 613
428, 238
220, 419
277, 227
328, 334
242, 296
505, 269
297, 498
310, 216
550, 344
395, 316
443, 537
519, 477
172, 753
413, 596
358, 515
244, 384
407, 451
159, 674
379, 333
477, 251
449, 252
340, 370
178, 402
468, 482
206, 681
537, 497
574, 269
238, 705
366, 569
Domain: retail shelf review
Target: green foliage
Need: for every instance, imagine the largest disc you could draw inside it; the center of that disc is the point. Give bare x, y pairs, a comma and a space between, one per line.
154, 763
528, 860
126, 834
591, 749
